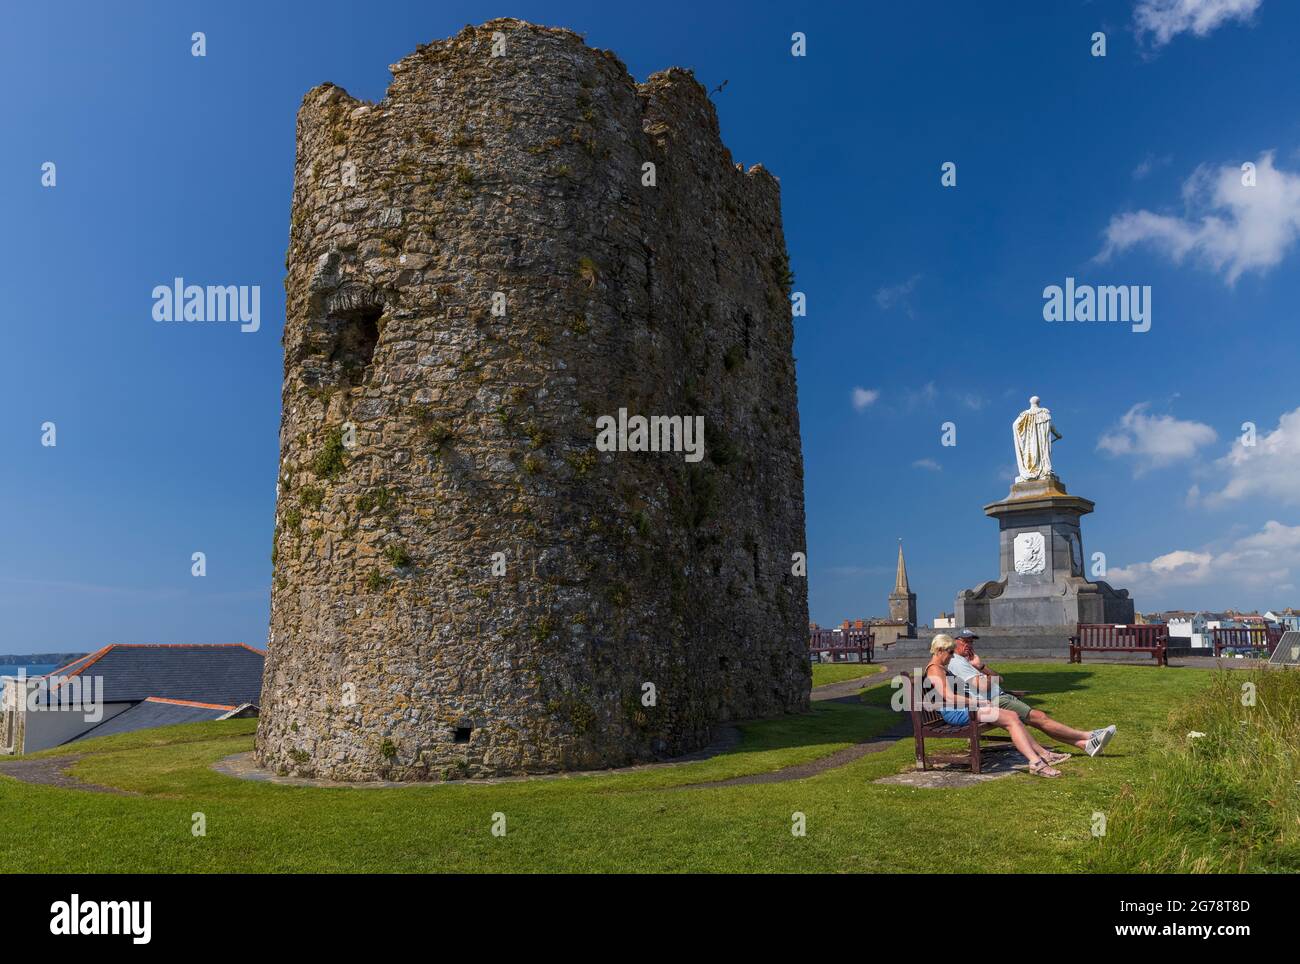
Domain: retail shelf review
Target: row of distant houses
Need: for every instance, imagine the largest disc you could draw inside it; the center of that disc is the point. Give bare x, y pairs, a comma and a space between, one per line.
125, 687
1199, 626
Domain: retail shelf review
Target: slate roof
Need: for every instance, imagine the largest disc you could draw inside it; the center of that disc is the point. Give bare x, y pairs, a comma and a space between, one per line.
155, 712
228, 674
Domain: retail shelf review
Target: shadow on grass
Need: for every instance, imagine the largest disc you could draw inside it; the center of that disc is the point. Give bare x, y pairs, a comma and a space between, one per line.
1037, 684
828, 722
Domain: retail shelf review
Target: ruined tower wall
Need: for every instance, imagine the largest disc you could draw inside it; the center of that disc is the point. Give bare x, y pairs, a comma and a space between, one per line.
423, 433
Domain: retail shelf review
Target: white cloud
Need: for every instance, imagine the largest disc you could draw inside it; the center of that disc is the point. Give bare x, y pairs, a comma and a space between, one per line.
1154, 441
864, 398
1263, 560
1181, 567
1229, 228
1166, 19
893, 296
1149, 164
1268, 469
929, 464
925, 395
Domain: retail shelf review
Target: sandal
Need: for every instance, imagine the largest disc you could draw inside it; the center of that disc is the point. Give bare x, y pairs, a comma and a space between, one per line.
1053, 758
1042, 769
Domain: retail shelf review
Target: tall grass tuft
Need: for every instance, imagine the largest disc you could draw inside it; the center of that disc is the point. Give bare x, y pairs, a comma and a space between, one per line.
1227, 801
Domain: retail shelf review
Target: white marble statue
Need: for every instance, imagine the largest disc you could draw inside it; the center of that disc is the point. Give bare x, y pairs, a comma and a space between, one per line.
1033, 432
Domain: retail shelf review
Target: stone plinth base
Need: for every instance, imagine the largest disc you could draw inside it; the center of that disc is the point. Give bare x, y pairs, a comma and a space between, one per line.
1041, 582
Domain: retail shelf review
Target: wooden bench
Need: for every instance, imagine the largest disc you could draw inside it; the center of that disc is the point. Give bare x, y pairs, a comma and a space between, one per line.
1252, 637
1120, 638
928, 723
840, 643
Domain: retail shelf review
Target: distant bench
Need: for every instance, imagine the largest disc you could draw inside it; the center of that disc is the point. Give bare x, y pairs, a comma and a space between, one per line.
840, 643
1120, 638
1253, 637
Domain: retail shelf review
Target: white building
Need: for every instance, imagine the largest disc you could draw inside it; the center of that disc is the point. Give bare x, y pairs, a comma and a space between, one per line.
1193, 626
1285, 618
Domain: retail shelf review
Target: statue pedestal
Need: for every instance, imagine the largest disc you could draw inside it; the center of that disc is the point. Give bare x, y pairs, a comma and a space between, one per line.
1041, 582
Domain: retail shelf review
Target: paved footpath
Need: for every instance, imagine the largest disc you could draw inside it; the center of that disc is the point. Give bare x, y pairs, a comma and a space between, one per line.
53, 772
845, 691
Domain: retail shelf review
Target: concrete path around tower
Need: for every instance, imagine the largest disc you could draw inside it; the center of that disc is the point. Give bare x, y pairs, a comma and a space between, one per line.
53, 772
244, 767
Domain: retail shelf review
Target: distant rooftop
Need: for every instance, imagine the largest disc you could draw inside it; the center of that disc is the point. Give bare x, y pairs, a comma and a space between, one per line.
226, 674
157, 712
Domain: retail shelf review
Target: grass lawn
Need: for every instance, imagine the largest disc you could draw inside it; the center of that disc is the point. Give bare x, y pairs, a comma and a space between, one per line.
641, 821
824, 673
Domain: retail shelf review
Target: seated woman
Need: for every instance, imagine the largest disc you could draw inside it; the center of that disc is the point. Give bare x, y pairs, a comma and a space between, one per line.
957, 708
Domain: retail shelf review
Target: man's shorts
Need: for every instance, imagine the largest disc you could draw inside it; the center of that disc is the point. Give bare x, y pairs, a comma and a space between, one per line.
1008, 702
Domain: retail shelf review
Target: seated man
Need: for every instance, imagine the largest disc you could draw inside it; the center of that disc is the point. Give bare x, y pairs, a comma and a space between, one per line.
958, 706
970, 669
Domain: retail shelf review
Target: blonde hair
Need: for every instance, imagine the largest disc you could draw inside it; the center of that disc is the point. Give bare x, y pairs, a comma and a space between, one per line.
941, 642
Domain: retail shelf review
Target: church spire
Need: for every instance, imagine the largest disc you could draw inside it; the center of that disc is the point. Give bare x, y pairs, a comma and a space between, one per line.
900, 579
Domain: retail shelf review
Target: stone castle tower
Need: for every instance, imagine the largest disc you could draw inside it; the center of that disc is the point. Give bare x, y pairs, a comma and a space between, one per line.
517, 242
902, 601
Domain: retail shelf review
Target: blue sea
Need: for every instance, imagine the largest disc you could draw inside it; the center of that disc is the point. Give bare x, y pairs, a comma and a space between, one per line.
33, 669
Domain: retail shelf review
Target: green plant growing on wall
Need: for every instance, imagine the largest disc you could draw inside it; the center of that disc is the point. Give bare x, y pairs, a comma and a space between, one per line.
434, 431
720, 449
537, 435
703, 494
376, 500
397, 557
328, 463
574, 708
581, 462
732, 359
784, 276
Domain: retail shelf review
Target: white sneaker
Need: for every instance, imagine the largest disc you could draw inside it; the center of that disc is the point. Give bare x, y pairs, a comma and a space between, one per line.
1098, 740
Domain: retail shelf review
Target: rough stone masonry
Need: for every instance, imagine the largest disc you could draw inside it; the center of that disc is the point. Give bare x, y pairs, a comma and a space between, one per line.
478, 270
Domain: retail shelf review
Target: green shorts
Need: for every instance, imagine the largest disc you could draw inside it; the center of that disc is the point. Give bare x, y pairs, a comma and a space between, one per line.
1008, 702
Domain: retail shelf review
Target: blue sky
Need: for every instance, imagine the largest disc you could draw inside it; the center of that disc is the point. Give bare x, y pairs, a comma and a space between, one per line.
925, 302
